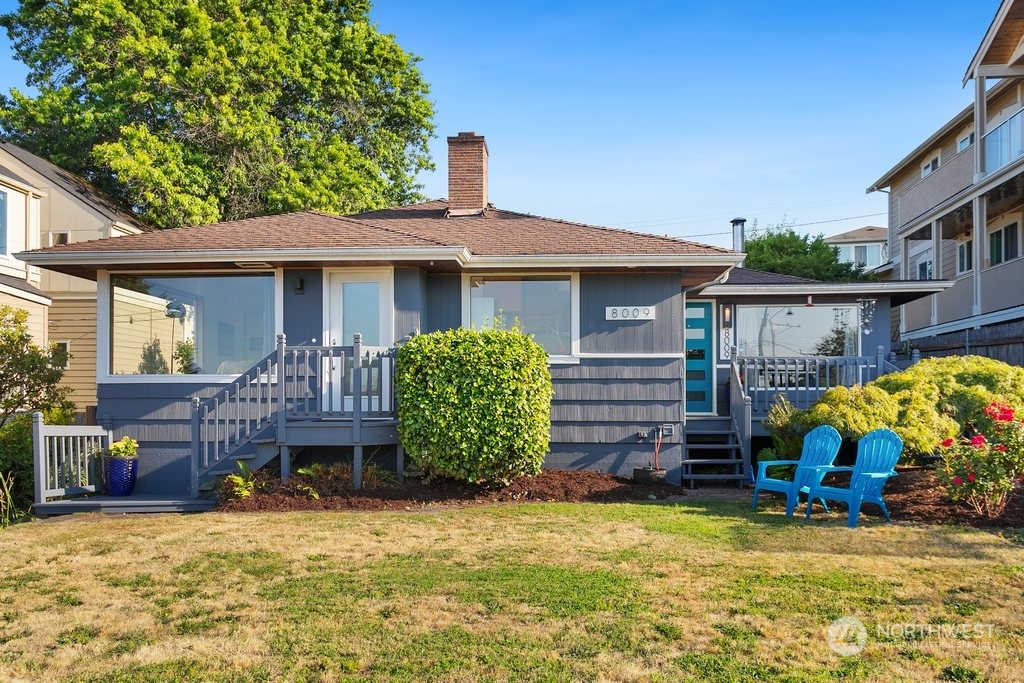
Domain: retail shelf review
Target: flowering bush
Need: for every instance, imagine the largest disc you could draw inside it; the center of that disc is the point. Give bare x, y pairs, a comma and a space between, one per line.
126, 447
982, 470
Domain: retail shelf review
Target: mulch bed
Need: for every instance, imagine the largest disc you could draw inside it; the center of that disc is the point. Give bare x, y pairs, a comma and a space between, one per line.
914, 496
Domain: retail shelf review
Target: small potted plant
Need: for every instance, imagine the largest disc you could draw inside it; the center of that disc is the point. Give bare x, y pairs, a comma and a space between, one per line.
121, 466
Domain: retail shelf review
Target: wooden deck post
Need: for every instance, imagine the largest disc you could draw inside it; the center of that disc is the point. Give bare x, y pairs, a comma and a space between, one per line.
357, 387
39, 456
281, 394
286, 461
194, 474
357, 410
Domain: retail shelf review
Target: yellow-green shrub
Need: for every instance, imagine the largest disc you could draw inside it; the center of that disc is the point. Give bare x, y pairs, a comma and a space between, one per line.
474, 405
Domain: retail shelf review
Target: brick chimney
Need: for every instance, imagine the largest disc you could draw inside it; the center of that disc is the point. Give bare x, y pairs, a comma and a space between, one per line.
467, 174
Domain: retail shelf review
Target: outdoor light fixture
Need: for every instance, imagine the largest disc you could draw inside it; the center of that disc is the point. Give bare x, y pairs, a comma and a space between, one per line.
727, 316
300, 285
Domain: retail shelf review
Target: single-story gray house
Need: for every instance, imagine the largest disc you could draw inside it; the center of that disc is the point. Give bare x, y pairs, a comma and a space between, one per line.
236, 338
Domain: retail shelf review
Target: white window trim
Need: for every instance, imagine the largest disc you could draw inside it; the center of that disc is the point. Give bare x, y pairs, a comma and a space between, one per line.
970, 261
997, 226
386, 276
104, 302
965, 134
67, 350
574, 301
933, 158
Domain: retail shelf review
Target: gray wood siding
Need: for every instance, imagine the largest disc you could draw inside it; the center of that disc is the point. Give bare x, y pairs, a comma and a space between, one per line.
664, 334
159, 416
614, 458
410, 301
602, 401
304, 312
443, 302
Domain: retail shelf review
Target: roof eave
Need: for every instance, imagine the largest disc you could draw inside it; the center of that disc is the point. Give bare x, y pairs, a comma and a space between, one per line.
725, 260
46, 258
933, 139
986, 41
923, 287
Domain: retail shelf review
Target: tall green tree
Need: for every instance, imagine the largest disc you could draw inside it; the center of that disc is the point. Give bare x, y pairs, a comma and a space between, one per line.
196, 111
784, 251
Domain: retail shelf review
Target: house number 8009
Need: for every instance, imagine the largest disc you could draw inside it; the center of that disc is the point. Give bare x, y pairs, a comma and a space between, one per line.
629, 313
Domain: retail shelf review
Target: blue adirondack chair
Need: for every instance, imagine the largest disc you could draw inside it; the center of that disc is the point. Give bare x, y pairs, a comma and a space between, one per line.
877, 454
821, 445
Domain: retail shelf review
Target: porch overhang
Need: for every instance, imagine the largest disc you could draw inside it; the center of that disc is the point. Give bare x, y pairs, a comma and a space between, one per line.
1001, 51
899, 292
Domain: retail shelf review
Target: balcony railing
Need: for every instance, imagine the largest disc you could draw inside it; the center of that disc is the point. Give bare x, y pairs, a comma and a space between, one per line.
1004, 143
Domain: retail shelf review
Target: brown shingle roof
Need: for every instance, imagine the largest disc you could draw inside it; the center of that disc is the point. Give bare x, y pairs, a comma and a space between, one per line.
496, 233
507, 233
749, 276
302, 230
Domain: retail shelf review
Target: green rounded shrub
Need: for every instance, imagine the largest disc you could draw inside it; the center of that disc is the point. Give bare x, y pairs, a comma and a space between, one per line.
474, 405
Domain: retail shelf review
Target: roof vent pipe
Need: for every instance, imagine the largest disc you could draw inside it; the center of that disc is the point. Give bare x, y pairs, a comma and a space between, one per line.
738, 228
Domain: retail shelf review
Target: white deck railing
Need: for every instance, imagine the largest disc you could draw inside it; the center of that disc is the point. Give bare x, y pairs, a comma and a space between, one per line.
67, 458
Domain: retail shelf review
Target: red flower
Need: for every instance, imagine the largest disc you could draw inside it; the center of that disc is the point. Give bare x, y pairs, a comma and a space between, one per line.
970, 477
978, 441
947, 443
1000, 412
1000, 447
957, 481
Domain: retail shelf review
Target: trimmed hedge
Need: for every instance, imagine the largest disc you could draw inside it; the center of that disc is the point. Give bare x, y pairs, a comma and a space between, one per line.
474, 405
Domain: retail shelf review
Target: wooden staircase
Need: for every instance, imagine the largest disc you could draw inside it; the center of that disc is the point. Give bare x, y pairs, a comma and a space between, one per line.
713, 450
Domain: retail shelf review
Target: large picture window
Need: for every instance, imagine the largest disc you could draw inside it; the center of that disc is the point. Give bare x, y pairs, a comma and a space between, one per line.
788, 331
540, 305
186, 325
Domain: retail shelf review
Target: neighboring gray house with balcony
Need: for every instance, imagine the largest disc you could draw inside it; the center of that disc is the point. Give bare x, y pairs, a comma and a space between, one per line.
956, 211
237, 339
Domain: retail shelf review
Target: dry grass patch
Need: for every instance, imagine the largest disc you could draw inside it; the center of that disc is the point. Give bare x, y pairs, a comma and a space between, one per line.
623, 592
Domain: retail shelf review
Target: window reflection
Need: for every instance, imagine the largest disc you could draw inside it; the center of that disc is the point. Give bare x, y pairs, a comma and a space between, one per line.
540, 305
788, 331
177, 325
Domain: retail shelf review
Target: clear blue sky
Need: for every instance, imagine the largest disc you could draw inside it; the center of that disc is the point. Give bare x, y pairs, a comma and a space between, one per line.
675, 116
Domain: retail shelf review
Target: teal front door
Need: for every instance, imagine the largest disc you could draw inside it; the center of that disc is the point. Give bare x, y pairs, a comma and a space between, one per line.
700, 367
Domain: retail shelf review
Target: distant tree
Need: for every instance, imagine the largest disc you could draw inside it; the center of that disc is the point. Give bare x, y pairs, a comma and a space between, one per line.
210, 110
784, 251
153, 361
836, 342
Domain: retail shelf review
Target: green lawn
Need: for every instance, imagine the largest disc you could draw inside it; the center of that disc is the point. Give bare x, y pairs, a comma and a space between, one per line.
698, 591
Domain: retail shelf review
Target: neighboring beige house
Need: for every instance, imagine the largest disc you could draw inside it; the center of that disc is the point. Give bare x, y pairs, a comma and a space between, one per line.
66, 209
19, 231
867, 246
956, 208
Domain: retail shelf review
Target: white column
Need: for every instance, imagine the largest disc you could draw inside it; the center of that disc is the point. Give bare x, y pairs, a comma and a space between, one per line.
936, 265
980, 206
980, 122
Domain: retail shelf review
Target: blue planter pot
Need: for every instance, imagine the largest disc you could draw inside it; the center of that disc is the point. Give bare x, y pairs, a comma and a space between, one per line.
120, 474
